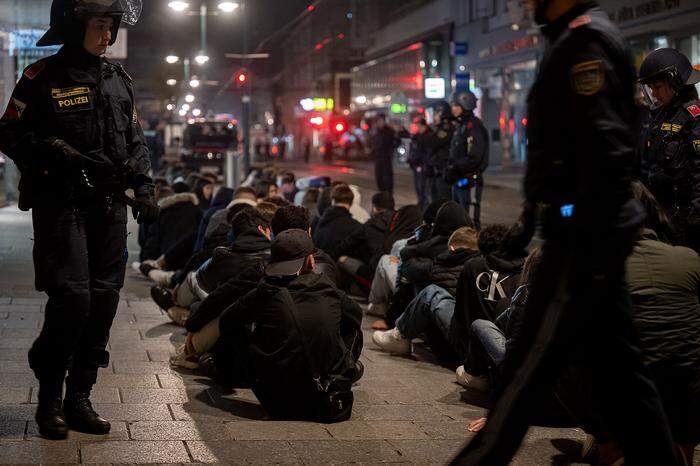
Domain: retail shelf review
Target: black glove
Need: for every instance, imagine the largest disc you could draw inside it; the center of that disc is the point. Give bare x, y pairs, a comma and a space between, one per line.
64, 152
146, 209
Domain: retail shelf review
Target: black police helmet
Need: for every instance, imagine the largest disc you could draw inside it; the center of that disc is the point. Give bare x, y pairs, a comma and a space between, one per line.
668, 64
68, 18
465, 99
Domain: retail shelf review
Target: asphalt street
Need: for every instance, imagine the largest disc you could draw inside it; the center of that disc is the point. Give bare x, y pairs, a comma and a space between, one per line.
407, 410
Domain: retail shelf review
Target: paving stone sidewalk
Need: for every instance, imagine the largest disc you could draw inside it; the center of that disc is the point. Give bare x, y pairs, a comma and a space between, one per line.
407, 410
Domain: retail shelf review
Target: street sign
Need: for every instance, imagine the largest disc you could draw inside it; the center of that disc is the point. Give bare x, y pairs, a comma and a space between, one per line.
434, 88
460, 49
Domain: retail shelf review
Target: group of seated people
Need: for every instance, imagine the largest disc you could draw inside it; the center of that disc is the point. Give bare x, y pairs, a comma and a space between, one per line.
278, 267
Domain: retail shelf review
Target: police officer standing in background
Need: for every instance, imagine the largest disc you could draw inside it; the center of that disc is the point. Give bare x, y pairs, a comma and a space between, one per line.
671, 155
383, 143
469, 155
581, 160
71, 127
439, 146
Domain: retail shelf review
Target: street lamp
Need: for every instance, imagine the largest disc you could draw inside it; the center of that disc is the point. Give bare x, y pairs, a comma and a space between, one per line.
170, 107
185, 107
201, 59
171, 82
172, 59
189, 98
194, 83
228, 7
179, 6
196, 112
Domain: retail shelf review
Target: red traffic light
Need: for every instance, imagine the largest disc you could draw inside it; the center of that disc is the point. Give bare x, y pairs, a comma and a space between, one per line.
241, 77
339, 127
317, 121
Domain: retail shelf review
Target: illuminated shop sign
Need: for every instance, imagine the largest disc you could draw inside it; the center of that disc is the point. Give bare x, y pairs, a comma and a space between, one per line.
318, 104
434, 88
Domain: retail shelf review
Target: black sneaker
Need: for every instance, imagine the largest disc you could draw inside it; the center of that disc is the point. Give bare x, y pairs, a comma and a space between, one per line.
163, 297
81, 417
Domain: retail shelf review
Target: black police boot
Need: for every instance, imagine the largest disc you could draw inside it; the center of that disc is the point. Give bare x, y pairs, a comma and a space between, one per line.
81, 417
163, 297
49, 418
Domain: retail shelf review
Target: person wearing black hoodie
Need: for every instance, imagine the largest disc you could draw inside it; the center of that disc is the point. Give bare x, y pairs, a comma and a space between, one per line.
292, 315
336, 221
222, 198
430, 314
357, 251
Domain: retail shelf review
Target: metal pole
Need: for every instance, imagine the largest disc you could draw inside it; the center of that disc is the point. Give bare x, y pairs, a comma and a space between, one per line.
245, 101
203, 27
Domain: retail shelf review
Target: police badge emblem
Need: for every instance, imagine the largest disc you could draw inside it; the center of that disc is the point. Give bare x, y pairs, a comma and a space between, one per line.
588, 77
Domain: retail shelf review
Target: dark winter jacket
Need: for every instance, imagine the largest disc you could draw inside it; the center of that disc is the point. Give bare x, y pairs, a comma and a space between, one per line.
179, 217
250, 248
664, 282
335, 224
221, 200
403, 224
224, 296
383, 142
325, 265
469, 149
279, 312
447, 267
417, 260
485, 289
366, 242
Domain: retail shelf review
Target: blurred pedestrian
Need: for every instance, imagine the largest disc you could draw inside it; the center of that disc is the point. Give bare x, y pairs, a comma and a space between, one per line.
418, 160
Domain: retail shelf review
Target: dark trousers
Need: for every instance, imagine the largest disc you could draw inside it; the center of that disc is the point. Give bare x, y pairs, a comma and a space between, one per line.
384, 174
420, 184
469, 197
79, 261
578, 301
439, 189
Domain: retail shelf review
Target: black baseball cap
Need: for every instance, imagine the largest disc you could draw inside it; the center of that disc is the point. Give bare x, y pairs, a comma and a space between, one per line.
288, 252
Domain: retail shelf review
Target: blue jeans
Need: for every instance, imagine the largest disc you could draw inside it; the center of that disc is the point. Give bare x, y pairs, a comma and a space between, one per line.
492, 340
433, 307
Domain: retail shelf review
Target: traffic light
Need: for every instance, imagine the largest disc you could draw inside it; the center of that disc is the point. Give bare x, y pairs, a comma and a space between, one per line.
339, 125
241, 77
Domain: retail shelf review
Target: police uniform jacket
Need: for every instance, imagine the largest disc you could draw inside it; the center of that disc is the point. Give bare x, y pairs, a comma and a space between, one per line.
469, 148
86, 101
671, 160
581, 110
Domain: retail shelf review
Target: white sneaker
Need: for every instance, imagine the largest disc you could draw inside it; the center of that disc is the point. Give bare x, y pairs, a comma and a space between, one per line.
179, 315
392, 341
161, 277
376, 309
475, 382
182, 359
136, 266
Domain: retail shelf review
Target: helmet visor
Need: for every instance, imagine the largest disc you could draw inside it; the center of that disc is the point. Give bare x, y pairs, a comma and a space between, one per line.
128, 10
652, 102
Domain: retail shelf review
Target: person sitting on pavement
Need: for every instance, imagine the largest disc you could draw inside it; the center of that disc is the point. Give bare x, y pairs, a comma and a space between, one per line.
430, 314
222, 198
490, 339
179, 219
251, 248
202, 324
406, 227
220, 221
358, 253
292, 315
664, 285
336, 222
417, 260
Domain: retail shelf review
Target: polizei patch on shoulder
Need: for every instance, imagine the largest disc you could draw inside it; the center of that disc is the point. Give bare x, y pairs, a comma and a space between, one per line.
587, 78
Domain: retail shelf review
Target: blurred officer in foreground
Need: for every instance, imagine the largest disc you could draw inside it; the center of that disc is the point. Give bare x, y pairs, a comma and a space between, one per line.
671, 157
580, 164
469, 155
436, 168
71, 127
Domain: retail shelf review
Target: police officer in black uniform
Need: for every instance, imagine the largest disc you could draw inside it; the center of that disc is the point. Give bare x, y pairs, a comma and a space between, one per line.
580, 165
469, 155
671, 156
71, 127
439, 146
